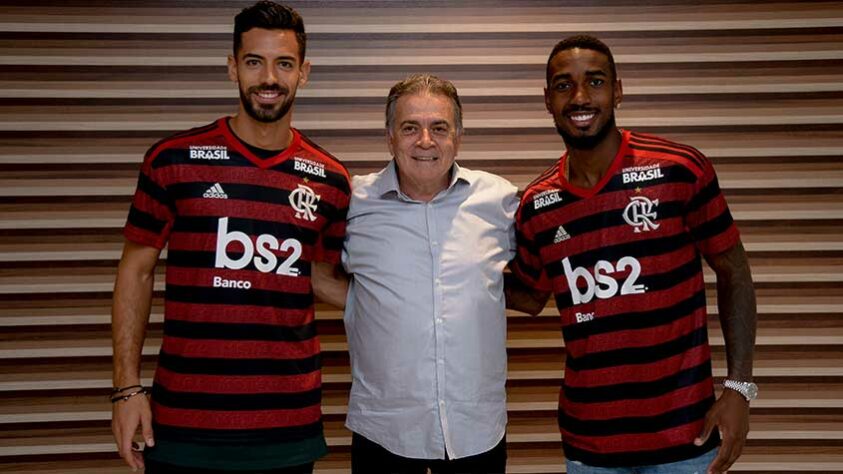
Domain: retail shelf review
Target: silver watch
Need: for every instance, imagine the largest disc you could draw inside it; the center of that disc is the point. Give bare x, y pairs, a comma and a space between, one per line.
748, 389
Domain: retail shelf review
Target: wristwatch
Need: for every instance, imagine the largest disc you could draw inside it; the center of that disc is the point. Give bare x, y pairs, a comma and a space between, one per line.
748, 389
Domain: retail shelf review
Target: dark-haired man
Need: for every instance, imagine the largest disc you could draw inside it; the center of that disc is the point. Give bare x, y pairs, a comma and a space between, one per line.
615, 231
250, 210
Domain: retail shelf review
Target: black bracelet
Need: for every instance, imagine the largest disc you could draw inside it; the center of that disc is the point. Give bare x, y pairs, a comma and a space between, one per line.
118, 389
128, 396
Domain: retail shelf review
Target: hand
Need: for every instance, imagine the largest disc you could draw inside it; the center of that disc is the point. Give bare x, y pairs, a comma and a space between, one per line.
730, 413
125, 418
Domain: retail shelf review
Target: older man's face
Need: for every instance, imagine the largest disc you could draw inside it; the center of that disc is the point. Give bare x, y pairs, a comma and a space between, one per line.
424, 141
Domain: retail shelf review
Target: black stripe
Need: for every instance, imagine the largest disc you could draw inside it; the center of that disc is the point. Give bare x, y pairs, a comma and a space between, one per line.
705, 195
235, 402
674, 174
713, 227
254, 227
216, 366
642, 458
243, 192
153, 190
636, 319
639, 355
239, 331
525, 269
640, 249
639, 390
181, 156
638, 424
230, 437
333, 243
607, 219
197, 259
143, 220
234, 296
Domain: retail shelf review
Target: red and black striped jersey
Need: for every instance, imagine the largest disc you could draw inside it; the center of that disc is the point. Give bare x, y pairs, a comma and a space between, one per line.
240, 360
623, 261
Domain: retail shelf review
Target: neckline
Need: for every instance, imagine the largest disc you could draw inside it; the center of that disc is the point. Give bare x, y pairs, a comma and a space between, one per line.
264, 163
610, 171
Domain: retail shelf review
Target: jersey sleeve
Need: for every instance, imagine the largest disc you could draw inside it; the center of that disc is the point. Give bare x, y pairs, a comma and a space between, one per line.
707, 215
330, 245
527, 265
151, 215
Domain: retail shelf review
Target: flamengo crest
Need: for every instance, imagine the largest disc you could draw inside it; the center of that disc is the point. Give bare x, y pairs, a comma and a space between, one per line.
640, 213
304, 201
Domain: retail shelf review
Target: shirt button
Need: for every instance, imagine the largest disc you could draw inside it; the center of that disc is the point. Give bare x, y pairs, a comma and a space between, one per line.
438, 281
438, 320
441, 361
434, 243
441, 403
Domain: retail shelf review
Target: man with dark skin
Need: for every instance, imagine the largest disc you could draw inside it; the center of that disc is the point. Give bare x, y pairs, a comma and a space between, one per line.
615, 231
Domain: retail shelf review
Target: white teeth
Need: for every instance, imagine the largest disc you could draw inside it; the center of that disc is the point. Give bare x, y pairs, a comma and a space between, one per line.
268, 95
582, 117
425, 158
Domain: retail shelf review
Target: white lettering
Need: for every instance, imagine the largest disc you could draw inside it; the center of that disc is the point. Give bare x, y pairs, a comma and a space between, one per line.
265, 244
602, 285
583, 317
220, 282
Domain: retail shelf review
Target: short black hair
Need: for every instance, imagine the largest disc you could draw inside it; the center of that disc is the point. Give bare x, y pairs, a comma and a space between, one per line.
582, 42
270, 16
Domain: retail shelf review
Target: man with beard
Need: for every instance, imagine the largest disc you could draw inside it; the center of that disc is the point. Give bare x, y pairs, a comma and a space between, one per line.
615, 230
251, 210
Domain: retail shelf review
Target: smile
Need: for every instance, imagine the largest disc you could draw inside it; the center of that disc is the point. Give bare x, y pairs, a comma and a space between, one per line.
425, 158
582, 117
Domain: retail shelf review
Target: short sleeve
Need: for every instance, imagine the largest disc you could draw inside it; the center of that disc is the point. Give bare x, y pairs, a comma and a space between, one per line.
527, 264
707, 215
332, 238
151, 215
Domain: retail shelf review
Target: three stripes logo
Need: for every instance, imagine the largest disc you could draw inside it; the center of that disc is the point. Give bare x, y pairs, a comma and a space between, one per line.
561, 235
215, 192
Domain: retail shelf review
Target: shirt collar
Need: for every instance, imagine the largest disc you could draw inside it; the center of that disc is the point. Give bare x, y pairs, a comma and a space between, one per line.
387, 182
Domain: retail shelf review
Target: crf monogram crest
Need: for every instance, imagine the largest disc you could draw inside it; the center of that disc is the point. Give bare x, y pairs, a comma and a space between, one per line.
304, 201
640, 213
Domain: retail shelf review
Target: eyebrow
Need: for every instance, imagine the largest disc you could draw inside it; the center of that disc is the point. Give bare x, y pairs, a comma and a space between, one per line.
591, 73
258, 56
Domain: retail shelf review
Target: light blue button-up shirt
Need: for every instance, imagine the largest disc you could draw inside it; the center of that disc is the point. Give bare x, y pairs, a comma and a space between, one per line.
425, 313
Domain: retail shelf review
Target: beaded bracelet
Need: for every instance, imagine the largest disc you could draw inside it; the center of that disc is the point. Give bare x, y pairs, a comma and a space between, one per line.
118, 389
128, 396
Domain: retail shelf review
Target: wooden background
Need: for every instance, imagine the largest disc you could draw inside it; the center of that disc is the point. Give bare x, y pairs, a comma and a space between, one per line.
87, 86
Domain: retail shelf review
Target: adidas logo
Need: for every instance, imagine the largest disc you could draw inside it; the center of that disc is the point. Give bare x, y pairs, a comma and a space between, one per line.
215, 192
561, 235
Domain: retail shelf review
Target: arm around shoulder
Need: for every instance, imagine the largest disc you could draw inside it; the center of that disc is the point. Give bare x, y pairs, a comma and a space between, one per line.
330, 283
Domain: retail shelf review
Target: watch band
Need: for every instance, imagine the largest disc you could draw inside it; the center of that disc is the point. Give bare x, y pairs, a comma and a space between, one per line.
748, 389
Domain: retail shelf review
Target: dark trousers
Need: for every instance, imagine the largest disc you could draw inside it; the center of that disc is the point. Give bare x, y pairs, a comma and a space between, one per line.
153, 467
368, 457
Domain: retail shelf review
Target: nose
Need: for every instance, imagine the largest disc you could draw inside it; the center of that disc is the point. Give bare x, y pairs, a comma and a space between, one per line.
425, 139
269, 76
581, 96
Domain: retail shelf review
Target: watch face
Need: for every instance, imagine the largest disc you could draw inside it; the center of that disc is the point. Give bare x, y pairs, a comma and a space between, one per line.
751, 391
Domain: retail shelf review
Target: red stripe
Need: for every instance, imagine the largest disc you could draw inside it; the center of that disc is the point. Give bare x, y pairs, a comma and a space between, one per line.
260, 281
653, 371
636, 442
241, 384
236, 420
674, 400
637, 338
223, 349
221, 313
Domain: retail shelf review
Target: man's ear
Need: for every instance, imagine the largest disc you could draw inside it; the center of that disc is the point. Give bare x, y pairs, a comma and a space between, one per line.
232, 68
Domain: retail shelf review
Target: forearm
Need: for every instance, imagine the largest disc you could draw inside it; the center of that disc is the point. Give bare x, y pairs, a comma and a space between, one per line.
330, 284
130, 315
521, 298
737, 308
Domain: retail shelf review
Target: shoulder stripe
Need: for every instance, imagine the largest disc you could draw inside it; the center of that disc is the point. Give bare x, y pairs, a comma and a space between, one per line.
545, 175
179, 137
686, 151
311, 144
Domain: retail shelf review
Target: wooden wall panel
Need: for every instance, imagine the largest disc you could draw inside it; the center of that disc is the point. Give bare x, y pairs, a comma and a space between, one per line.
87, 86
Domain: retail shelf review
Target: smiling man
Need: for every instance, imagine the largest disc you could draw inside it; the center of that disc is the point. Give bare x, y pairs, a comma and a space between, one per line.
616, 230
250, 209
427, 244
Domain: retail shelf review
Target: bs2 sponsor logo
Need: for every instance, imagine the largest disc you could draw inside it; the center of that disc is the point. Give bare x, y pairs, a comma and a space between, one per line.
265, 261
601, 284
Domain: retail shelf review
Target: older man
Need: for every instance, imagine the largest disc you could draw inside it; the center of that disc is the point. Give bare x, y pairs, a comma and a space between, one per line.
426, 246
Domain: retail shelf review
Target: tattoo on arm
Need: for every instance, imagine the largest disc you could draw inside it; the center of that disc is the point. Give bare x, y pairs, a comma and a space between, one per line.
737, 308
